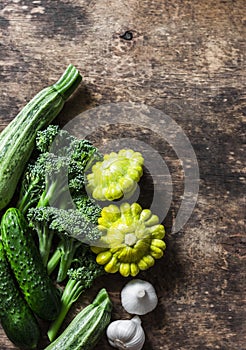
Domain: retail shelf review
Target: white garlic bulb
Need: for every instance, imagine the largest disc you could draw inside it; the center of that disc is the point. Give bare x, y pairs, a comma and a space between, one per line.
126, 334
138, 297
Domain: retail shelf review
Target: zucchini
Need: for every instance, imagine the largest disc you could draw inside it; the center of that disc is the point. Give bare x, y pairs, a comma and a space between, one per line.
17, 140
16, 317
26, 263
87, 327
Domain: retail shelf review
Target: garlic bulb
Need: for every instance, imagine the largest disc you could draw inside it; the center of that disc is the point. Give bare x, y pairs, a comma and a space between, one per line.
138, 297
126, 334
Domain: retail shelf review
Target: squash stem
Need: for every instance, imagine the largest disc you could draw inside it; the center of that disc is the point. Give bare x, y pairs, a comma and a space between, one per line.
68, 82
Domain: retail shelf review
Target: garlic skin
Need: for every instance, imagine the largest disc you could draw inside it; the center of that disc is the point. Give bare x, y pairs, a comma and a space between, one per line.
126, 334
138, 297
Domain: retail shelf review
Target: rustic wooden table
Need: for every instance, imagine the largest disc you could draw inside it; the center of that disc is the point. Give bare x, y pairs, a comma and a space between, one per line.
187, 59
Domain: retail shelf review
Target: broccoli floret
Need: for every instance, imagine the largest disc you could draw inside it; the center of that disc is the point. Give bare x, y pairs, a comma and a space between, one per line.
43, 181
65, 173
81, 276
42, 161
58, 172
32, 185
74, 223
82, 156
74, 226
88, 207
45, 138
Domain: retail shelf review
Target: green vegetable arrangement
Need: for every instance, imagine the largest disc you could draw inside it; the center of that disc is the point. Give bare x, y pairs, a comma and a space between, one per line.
56, 239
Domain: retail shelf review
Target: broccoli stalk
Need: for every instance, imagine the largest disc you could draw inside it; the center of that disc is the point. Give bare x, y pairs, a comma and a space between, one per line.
39, 220
56, 183
81, 277
63, 255
54, 260
45, 238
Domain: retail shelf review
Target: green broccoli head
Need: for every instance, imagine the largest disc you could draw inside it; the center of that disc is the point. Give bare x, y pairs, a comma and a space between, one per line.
82, 155
66, 164
57, 174
88, 207
39, 216
73, 223
32, 184
45, 138
68, 223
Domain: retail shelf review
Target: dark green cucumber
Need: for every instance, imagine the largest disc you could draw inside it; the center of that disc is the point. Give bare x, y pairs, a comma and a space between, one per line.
18, 138
87, 327
26, 263
16, 317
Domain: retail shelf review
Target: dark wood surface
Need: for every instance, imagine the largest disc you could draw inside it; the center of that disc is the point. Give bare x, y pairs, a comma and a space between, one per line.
187, 59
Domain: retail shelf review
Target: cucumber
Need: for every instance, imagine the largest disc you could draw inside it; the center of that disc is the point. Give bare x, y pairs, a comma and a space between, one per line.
17, 140
16, 317
26, 263
87, 327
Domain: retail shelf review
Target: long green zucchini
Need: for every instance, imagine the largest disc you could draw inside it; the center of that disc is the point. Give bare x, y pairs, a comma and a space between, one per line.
87, 327
18, 138
16, 317
26, 263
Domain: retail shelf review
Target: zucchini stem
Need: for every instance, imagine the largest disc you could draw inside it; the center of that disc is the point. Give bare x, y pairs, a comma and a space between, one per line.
68, 82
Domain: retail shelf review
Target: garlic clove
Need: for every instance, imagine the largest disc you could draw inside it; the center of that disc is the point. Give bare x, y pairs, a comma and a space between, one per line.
126, 334
138, 297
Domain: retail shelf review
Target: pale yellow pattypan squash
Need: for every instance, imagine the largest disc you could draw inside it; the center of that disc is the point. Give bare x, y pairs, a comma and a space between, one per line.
116, 176
132, 238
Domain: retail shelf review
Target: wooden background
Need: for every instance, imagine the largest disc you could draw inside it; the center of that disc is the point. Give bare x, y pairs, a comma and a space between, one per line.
187, 59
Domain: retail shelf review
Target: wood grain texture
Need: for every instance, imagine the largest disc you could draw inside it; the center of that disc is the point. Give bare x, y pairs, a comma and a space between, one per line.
187, 59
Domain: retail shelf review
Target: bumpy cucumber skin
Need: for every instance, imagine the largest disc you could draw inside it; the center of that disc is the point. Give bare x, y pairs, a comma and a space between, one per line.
87, 327
18, 138
16, 317
30, 273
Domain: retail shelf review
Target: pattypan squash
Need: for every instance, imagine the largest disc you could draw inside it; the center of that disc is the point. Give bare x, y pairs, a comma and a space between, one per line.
132, 238
116, 175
